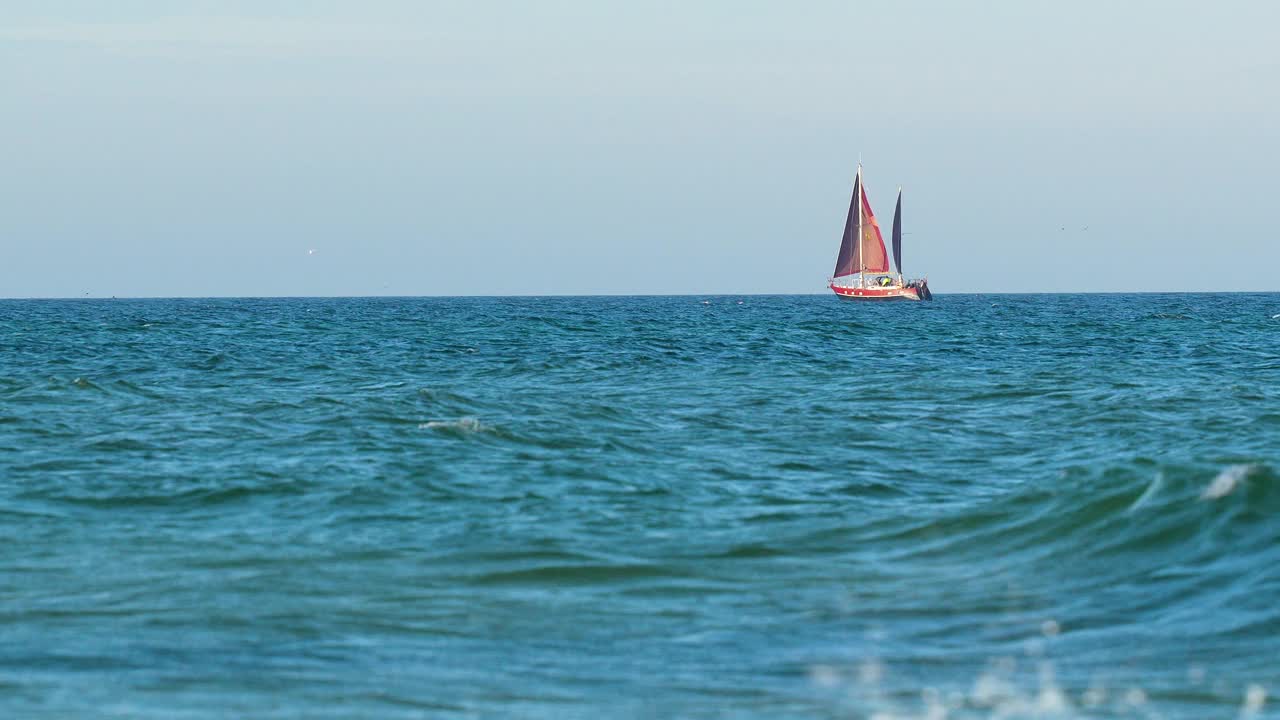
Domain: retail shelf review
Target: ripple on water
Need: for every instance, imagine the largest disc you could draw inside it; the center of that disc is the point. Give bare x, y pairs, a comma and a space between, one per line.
1023, 506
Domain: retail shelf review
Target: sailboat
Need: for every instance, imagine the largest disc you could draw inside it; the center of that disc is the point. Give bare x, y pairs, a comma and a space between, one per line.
862, 268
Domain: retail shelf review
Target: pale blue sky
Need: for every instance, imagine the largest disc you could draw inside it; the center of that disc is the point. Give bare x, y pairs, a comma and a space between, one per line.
607, 147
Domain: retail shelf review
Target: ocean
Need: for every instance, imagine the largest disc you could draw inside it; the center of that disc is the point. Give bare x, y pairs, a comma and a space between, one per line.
987, 506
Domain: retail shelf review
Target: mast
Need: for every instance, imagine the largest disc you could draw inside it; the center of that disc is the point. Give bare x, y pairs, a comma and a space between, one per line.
862, 262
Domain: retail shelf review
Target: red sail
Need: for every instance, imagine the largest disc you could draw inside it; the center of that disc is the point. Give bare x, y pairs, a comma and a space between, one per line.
874, 256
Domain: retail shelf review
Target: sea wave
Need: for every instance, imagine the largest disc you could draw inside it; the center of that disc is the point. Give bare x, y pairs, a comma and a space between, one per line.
1062, 506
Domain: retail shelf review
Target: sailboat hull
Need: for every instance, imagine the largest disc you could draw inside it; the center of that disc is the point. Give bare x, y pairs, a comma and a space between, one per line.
881, 293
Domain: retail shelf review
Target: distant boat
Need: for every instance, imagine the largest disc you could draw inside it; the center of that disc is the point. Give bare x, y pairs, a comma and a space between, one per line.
862, 268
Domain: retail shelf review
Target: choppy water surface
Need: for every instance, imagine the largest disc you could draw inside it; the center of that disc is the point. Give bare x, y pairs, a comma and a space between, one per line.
987, 506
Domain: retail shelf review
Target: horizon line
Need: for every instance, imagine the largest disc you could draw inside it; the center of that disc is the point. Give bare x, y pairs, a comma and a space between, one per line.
608, 295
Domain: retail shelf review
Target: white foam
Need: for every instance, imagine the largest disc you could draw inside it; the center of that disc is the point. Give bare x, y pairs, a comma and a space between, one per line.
824, 676
467, 424
1094, 697
1255, 696
1156, 485
1226, 482
992, 689
1051, 700
871, 672
996, 696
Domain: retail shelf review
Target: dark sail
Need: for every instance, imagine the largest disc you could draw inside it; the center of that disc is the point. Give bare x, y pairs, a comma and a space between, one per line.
849, 261
897, 233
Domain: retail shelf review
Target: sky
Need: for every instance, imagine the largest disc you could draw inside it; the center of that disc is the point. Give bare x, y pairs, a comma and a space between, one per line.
269, 148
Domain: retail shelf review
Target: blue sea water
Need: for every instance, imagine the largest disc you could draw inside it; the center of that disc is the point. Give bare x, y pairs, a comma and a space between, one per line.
652, 507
